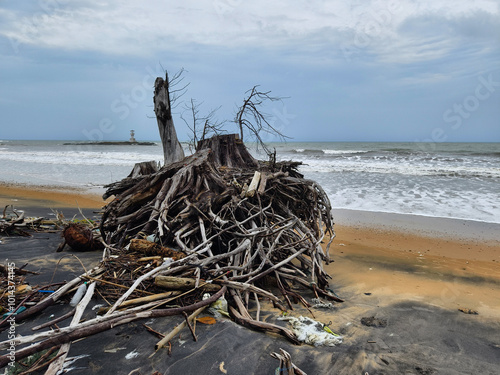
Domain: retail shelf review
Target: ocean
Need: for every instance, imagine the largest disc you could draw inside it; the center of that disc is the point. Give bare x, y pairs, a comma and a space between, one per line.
452, 180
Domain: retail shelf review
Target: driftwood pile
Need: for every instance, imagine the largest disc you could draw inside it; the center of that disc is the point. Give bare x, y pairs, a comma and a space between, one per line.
234, 222
235, 219
217, 223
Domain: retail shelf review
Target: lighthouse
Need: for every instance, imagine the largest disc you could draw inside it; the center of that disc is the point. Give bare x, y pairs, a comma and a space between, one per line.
132, 139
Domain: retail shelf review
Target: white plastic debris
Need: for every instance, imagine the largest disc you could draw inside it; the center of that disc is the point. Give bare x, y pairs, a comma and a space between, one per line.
78, 295
132, 354
312, 332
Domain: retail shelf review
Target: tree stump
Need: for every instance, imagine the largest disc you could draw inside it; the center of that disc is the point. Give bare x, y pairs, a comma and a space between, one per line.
172, 149
229, 151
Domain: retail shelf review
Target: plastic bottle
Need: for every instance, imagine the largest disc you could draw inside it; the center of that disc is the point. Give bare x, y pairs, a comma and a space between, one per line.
78, 295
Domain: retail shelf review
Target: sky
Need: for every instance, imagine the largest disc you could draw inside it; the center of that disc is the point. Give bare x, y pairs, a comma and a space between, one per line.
360, 70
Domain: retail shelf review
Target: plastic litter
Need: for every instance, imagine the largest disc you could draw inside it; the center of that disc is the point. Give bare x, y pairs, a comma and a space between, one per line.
78, 294
18, 311
217, 308
323, 305
312, 332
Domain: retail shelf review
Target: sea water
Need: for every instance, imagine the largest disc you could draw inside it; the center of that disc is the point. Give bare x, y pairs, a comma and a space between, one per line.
454, 180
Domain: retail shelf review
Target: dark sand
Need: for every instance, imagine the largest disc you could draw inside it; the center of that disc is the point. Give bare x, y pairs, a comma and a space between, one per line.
411, 272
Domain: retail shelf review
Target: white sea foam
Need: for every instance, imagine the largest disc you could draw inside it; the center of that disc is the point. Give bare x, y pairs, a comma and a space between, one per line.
340, 152
395, 166
456, 181
77, 157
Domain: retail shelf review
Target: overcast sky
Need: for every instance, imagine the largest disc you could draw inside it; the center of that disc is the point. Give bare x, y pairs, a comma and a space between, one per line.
352, 70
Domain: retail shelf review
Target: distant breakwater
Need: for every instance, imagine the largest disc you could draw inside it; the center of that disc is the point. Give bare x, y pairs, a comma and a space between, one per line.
112, 143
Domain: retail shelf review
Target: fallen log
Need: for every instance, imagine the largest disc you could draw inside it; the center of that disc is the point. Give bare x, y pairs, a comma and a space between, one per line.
183, 283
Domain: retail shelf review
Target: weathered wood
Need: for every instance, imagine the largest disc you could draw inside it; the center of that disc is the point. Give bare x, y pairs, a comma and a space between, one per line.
263, 326
252, 188
57, 366
172, 149
151, 249
160, 344
286, 367
53, 297
183, 283
144, 168
229, 151
93, 327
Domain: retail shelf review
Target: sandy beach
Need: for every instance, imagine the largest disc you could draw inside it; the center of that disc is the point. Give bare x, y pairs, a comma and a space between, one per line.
395, 262
49, 197
413, 272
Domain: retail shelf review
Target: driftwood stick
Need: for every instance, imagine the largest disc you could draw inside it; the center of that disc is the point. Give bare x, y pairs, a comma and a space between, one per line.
151, 273
263, 326
278, 265
57, 366
251, 288
154, 332
182, 283
138, 301
97, 325
56, 320
286, 365
257, 314
189, 325
177, 329
115, 284
22, 340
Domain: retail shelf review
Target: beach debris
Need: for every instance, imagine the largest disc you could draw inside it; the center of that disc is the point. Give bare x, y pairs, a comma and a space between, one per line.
78, 294
80, 237
206, 320
221, 368
149, 248
371, 321
10, 223
286, 367
466, 310
132, 354
219, 308
322, 305
312, 332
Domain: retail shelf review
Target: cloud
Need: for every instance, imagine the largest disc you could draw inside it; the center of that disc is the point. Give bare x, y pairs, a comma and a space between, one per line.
132, 28
358, 64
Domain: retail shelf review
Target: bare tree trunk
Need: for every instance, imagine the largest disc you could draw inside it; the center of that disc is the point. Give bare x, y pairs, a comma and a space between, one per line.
228, 150
172, 149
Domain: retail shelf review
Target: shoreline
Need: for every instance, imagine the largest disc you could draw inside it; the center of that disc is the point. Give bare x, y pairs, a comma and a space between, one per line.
430, 226
21, 195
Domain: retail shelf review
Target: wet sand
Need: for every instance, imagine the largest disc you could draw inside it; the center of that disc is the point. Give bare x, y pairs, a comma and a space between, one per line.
47, 197
412, 272
395, 262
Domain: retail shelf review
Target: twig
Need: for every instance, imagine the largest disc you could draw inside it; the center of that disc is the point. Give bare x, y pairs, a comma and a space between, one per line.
54, 321
159, 334
56, 366
189, 326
